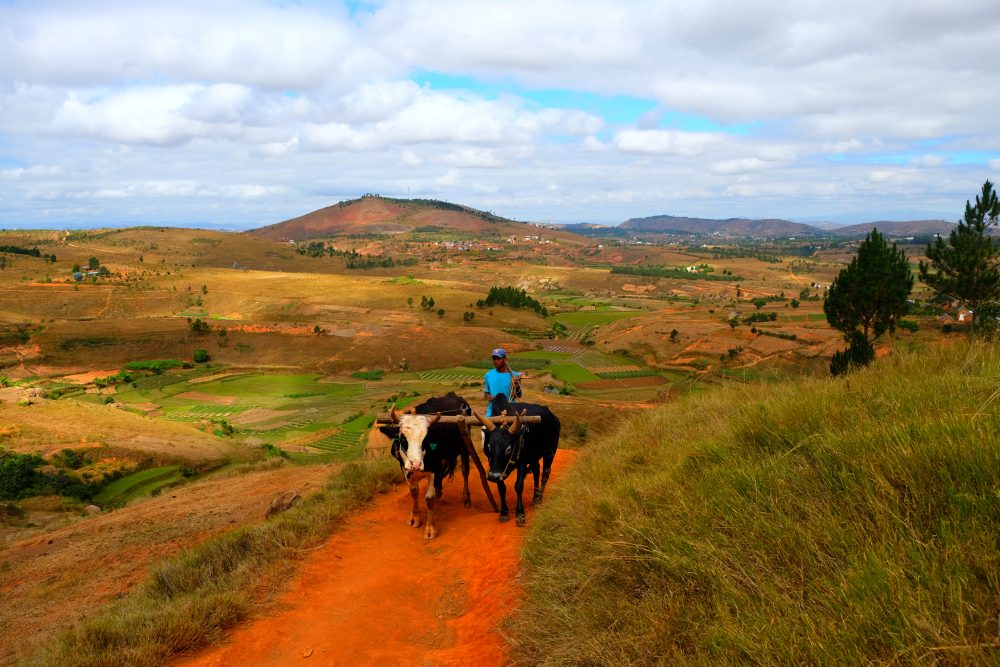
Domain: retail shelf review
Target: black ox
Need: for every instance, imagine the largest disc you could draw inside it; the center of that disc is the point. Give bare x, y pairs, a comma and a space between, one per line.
426, 449
520, 447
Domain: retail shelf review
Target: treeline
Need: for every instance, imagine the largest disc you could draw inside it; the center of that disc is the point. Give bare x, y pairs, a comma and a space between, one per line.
514, 298
30, 252
658, 271
355, 260
25, 475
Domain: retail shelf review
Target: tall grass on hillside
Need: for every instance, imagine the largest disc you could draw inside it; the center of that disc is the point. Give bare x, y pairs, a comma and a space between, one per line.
190, 599
825, 521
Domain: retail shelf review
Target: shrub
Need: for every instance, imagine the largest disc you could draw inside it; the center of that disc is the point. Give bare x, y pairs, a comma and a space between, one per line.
201, 355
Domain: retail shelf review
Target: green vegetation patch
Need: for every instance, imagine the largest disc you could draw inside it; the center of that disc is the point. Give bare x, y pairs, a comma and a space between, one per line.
571, 373
808, 522
543, 354
139, 484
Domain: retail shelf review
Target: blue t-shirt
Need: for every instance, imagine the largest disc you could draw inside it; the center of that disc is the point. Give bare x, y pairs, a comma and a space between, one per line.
496, 383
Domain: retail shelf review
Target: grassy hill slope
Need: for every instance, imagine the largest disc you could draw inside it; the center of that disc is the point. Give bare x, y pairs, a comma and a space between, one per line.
822, 521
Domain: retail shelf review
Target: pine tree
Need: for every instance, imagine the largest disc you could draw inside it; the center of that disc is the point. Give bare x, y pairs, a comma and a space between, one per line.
868, 297
967, 267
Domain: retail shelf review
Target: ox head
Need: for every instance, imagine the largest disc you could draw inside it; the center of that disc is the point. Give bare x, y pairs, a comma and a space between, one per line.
501, 446
413, 431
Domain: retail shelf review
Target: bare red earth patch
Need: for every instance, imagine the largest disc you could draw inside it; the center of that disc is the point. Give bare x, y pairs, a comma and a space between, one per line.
379, 593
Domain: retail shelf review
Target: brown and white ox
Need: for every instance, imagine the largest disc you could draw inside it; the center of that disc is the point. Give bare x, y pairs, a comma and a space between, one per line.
428, 450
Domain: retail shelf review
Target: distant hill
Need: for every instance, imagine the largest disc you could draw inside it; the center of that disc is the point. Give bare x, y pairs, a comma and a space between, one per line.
897, 228
762, 228
731, 227
373, 214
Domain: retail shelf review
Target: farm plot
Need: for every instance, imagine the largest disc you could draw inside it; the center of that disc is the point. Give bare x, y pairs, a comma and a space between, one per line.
564, 348
461, 374
619, 372
138, 484
192, 413
340, 442
623, 383
571, 373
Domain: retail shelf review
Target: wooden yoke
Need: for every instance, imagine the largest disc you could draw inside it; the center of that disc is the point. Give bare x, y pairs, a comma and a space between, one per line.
383, 419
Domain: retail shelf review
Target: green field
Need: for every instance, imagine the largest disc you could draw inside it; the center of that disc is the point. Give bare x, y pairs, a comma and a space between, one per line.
138, 484
571, 373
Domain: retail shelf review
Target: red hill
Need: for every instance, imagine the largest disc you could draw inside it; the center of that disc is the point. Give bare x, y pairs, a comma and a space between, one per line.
382, 215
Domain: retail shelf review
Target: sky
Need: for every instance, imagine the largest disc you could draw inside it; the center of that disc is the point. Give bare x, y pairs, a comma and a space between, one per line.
241, 114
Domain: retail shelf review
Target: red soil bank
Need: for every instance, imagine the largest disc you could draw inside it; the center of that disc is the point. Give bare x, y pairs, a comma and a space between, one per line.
379, 593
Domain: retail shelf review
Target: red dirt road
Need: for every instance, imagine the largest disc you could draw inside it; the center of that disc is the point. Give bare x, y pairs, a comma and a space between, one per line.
379, 593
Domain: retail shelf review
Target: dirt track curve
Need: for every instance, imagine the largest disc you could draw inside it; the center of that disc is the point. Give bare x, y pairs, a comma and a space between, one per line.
379, 593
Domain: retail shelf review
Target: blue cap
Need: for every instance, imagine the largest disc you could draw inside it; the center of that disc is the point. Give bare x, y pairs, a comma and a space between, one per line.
499, 352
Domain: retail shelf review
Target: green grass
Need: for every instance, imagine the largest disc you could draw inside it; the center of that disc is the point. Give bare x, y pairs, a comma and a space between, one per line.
360, 424
138, 484
190, 599
819, 521
571, 373
543, 354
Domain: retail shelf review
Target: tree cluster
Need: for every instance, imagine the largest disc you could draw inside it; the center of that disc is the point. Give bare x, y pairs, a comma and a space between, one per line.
513, 298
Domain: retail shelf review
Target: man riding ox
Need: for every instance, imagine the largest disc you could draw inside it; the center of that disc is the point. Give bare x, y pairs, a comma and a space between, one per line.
426, 449
517, 447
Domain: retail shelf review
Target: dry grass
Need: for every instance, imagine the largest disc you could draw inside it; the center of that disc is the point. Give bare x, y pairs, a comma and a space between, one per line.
822, 521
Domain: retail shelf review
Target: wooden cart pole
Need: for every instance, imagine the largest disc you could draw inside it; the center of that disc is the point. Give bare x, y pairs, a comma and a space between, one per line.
464, 430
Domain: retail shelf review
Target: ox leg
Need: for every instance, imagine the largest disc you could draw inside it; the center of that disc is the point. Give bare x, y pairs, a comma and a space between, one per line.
433, 492
546, 471
522, 472
536, 477
415, 511
502, 490
466, 496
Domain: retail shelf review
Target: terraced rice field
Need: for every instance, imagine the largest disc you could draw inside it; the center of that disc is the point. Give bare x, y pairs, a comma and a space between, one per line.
450, 376
339, 442
199, 412
564, 348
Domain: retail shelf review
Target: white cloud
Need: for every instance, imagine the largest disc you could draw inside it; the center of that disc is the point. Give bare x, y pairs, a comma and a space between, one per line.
472, 156
667, 142
929, 161
183, 107
410, 159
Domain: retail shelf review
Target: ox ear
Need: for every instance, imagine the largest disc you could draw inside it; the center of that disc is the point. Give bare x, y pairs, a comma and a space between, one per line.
487, 424
412, 410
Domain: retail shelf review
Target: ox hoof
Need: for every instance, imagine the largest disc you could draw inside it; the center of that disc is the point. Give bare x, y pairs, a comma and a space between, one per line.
414, 521
521, 519
537, 499
430, 533
504, 518
467, 503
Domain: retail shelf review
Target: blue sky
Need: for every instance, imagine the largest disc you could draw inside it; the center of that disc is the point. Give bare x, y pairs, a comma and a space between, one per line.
240, 114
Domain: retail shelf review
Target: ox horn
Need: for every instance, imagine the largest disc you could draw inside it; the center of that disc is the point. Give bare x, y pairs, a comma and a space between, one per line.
517, 421
393, 415
485, 422
434, 419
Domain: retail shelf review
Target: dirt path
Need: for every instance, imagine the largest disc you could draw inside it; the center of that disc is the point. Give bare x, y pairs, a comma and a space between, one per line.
378, 593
